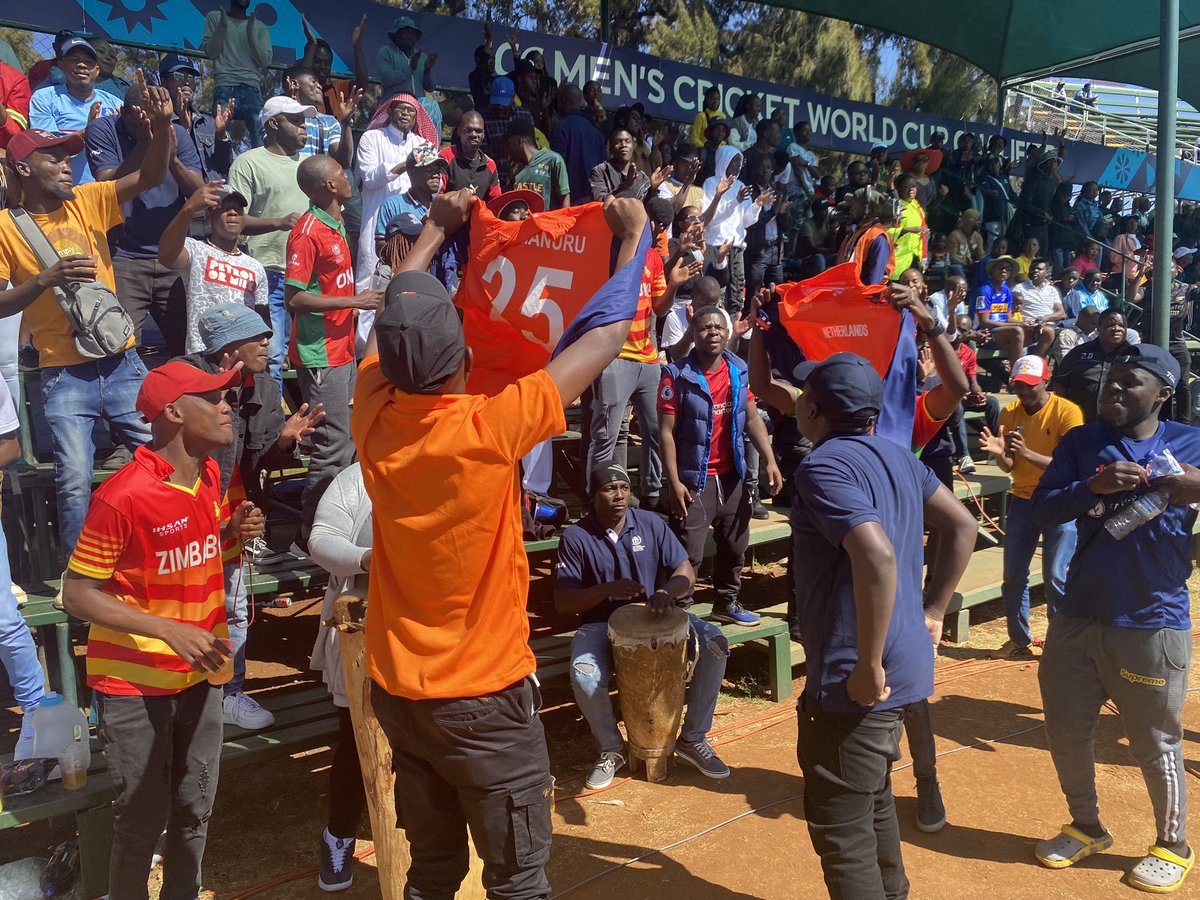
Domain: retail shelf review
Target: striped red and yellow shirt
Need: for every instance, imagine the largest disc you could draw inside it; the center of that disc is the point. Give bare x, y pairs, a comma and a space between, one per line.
156, 546
639, 346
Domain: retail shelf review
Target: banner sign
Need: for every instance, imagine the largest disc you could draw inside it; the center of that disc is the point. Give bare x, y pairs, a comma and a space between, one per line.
667, 89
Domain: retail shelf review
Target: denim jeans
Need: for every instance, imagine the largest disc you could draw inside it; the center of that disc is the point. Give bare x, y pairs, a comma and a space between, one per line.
1020, 542
248, 103
75, 398
238, 617
18, 654
164, 754
592, 671
281, 327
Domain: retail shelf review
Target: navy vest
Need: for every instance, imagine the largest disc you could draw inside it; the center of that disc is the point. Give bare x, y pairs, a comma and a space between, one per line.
693, 422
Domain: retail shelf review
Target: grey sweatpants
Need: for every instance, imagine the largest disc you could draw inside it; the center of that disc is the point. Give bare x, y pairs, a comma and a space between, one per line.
624, 381
332, 446
1145, 674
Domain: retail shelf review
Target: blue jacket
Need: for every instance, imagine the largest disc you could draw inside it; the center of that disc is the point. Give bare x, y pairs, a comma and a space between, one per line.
693, 422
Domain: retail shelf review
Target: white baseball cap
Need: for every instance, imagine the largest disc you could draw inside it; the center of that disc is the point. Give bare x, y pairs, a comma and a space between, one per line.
286, 106
1181, 252
1030, 370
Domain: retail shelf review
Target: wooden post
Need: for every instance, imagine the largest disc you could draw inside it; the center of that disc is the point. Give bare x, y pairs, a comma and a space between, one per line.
375, 757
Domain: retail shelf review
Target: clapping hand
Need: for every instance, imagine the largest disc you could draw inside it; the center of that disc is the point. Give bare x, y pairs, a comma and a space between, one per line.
221, 117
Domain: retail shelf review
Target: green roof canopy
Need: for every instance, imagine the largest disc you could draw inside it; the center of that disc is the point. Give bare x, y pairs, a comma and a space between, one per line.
1017, 40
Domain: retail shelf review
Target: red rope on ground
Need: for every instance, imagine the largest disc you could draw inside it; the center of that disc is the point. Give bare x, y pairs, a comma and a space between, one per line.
978, 503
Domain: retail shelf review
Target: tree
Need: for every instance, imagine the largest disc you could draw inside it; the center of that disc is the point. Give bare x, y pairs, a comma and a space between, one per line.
936, 81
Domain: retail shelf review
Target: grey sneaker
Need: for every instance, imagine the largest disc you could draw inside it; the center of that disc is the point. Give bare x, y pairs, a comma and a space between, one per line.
931, 811
966, 465
700, 754
260, 553
602, 773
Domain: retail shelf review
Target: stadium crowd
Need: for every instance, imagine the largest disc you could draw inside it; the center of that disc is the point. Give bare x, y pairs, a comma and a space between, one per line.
172, 264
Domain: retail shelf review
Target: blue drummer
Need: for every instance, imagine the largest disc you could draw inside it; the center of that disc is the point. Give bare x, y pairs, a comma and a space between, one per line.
616, 555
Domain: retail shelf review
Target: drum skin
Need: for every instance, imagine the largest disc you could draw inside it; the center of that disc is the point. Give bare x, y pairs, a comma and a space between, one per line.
649, 662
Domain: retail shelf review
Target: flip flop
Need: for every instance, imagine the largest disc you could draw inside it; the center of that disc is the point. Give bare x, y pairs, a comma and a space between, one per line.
1161, 871
1069, 846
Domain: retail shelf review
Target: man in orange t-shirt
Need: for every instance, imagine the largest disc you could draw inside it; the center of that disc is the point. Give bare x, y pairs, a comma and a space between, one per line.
447, 631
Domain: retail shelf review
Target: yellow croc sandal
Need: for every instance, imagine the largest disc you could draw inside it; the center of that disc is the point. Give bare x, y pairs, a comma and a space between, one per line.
1069, 846
1161, 871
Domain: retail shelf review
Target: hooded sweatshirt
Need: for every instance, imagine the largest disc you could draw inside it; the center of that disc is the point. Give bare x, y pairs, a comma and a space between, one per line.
731, 219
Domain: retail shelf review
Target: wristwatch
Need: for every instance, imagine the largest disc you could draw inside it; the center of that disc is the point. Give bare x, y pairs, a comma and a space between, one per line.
937, 329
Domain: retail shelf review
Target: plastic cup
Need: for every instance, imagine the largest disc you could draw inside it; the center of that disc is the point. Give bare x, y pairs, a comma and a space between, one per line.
73, 764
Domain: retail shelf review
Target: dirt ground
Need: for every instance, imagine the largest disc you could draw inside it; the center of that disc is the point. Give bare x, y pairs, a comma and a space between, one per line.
740, 838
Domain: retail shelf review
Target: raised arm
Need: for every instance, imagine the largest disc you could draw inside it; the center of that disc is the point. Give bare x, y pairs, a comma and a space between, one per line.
779, 394
160, 112
943, 400
172, 246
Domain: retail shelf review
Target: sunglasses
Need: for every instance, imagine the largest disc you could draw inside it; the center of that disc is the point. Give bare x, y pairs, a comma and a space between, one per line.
184, 80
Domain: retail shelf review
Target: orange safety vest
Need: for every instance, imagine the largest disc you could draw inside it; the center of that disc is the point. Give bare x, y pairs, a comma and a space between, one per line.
864, 237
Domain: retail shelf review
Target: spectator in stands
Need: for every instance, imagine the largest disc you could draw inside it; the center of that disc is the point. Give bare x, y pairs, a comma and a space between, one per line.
1063, 230
1087, 209
709, 112
1127, 258
716, 136
706, 412
402, 216
318, 56
46, 72
963, 339
325, 133
994, 309
1123, 630
946, 301
1030, 251
1075, 334
1087, 259
542, 171
697, 292
18, 653
14, 103
1083, 372
399, 126
729, 211
403, 67
680, 187
207, 134
239, 44
766, 142
480, 78
233, 336
1041, 305
1069, 290
1088, 293
527, 82
910, 233
216, 272
77, 391
147, 576
69, 107
619, 175
418, 455
762, 260
497, 118
319, 292
589, 582
964, 245
746, 118
803, 161
857, 518
266, 177
999, 201
340, 543
593, 95
1085, 98
577, 140
922, 164
116, 146
106, 59
814, 239
469, 166
871, 214
1030, 428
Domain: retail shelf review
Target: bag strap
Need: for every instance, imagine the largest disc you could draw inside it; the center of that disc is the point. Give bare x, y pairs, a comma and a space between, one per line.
34, 237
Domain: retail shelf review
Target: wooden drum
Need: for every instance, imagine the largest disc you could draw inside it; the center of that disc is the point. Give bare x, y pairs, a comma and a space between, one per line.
650, 661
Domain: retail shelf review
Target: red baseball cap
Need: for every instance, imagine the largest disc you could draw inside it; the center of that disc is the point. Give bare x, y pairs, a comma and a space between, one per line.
1030, 370
21, 144
169, 382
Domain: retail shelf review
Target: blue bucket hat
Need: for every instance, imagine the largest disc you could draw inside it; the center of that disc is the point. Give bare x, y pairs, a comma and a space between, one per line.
230, 323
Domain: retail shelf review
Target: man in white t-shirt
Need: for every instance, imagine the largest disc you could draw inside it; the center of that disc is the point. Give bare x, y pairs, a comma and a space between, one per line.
803, 161
1041, 304
216, 271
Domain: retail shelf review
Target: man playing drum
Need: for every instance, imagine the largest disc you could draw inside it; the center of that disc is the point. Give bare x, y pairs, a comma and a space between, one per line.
617, 555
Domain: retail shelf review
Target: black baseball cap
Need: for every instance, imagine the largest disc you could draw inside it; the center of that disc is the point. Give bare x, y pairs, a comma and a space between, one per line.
845, 385
176, 62
1153, 359
420, 335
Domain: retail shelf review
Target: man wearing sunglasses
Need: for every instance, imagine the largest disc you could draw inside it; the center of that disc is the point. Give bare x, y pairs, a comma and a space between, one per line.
179, 75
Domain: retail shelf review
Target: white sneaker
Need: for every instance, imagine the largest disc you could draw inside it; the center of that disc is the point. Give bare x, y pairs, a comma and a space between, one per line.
966, 465
243, 711
24, 749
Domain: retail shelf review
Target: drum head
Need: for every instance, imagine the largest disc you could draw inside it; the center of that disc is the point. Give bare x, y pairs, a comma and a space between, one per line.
634, 624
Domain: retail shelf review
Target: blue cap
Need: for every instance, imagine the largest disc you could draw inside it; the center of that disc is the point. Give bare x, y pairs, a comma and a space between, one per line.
230, 323
404, 22
844, 385
176, 62
1153, 359
502, 91
71, 43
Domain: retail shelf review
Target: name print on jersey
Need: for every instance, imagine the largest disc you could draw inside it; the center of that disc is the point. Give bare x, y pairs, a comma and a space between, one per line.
187, 556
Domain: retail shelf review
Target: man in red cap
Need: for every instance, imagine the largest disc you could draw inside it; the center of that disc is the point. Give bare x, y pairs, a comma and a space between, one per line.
1030, 428
147, 575
77, 390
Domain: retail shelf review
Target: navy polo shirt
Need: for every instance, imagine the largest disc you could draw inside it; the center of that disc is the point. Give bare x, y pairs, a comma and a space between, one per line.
1140, 582
846, 481
589, 554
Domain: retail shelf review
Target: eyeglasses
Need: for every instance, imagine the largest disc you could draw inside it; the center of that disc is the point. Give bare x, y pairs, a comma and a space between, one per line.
695, 218
184, 80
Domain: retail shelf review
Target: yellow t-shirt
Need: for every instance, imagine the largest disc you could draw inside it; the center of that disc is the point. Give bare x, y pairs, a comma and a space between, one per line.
78, 226
1041, 432
1023, 265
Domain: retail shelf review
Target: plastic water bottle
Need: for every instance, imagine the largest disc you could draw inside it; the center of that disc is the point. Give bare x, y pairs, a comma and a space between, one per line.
56, 725
1142, 510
